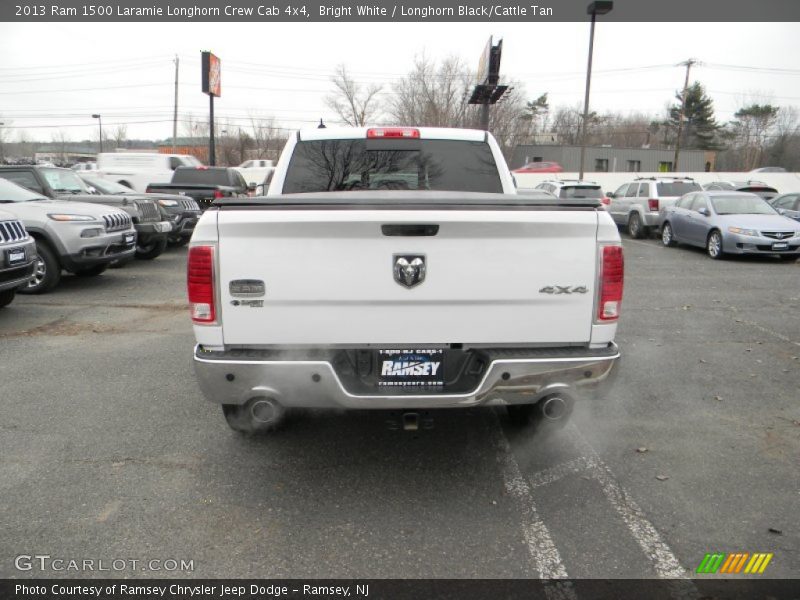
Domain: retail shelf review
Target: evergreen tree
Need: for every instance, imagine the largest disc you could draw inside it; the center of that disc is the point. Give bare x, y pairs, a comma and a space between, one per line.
699, 125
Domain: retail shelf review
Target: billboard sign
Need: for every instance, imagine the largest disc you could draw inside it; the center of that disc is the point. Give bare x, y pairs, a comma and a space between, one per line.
212, 74
484, 62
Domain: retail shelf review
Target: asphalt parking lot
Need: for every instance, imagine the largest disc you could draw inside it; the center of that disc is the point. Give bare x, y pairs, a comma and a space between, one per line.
108, 451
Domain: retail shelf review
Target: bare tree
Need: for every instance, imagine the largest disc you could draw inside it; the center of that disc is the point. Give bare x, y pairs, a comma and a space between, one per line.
355, 104
3, 137
194, 127
268, 138
61, 141
119, 134
432, 94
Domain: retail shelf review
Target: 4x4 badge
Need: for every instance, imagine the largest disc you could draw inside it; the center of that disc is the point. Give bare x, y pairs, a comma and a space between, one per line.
409, 269
563, 289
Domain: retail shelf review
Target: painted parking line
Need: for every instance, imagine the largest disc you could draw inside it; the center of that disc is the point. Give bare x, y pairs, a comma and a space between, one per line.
541, 548
645, 534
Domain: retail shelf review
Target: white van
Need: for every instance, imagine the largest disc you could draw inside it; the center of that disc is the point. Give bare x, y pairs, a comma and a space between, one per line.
137, 170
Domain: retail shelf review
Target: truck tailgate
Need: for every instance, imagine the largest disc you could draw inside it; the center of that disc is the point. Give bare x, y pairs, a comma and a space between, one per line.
492, 277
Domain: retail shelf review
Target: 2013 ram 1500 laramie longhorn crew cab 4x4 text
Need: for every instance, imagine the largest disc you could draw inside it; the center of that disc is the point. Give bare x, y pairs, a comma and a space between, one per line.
396, 268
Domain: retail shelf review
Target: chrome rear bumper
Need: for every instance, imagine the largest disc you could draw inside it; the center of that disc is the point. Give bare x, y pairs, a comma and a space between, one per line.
512, 377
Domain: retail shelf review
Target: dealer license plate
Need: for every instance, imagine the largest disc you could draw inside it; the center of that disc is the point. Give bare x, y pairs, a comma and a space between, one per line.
420, 370
15, 256
129, 238
780, 246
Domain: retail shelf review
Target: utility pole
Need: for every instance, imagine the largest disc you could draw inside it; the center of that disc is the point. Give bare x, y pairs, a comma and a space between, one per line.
175, 110
688, 64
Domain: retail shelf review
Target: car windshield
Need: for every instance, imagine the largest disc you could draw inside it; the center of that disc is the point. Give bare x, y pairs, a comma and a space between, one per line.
104, 186
64, 181
677, 188
375, 164
741, 205
11, 192
581, 191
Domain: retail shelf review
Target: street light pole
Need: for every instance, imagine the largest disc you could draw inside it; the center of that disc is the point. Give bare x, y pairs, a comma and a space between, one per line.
100, 124
2, 155
599, 7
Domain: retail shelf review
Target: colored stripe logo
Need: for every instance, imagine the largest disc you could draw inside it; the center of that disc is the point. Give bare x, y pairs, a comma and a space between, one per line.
735, 563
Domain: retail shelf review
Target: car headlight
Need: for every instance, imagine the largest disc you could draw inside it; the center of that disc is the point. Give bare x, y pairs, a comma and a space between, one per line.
740, 231
68, 217
168, 203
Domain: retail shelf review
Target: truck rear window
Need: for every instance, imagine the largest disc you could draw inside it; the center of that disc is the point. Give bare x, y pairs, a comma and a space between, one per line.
194, 176
360, 164
581, 191
677, 188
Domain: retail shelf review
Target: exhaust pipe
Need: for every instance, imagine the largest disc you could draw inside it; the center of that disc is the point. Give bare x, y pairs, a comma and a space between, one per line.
265, 411
555, 408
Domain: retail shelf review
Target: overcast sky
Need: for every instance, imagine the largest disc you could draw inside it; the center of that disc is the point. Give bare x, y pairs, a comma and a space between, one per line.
54, 76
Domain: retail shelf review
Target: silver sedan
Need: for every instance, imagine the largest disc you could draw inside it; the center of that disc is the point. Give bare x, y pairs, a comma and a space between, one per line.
730, 223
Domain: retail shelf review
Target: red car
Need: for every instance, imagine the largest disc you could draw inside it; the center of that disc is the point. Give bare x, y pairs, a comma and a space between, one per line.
540, 167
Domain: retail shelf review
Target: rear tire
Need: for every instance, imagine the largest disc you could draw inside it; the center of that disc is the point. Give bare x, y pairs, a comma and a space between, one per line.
258, 415
92, 271
47, 273
667, 238
152, 250
714, 245
636, 229
6, 297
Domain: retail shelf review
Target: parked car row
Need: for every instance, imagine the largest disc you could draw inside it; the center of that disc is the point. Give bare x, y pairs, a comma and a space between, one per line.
724, 217
53, 221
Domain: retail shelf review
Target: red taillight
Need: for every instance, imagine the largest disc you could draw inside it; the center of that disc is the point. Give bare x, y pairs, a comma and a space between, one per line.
652, 205
218, 194
393, 132
612, 272
605, 200
200, 284
202, 168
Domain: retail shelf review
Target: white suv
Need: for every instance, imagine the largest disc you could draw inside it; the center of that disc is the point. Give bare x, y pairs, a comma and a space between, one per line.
637, 204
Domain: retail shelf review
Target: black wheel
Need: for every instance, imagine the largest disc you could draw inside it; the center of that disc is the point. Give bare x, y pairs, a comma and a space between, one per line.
788, 257
714, 245
666, 235
91, 271
152, 249
549, 413
6, 297
256, 416
636, 228
180, 242
47, 273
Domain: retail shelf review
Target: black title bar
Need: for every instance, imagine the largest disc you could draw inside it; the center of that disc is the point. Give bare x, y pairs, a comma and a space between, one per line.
536, 11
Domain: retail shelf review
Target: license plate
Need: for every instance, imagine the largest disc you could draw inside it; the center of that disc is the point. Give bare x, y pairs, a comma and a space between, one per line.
14, 256
129, 238
411, 370
780, 245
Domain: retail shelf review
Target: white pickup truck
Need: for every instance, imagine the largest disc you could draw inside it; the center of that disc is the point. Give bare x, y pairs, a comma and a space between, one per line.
397, 268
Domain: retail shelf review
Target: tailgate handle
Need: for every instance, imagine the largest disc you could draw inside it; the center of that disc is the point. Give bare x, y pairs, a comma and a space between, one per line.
409, 230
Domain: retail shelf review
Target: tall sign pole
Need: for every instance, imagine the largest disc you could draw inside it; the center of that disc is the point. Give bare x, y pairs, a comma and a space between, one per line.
212, 85
175, 109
